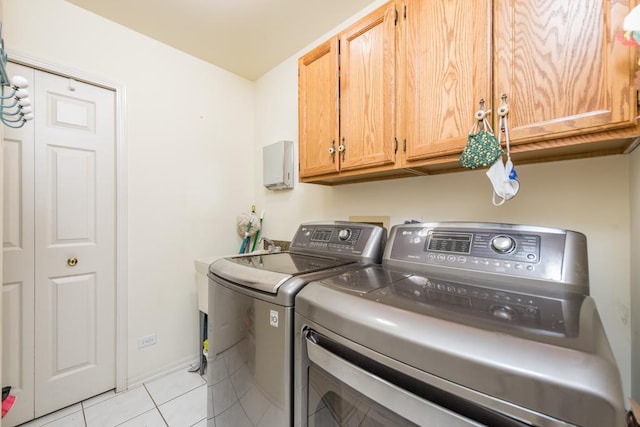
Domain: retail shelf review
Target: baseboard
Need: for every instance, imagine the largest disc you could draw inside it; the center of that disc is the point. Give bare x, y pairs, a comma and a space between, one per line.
185, 363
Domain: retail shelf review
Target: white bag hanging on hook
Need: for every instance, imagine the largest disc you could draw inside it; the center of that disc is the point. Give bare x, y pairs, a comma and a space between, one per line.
504, 187
503, 176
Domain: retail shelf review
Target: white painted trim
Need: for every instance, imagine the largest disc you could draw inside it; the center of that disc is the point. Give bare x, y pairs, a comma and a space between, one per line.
184, 364
121, 199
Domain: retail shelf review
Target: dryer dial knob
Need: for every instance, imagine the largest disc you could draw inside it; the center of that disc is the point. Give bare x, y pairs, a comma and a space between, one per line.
503, 313
344, 234
503, 244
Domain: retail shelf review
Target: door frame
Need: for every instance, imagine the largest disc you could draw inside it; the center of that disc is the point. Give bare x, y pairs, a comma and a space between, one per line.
120, 199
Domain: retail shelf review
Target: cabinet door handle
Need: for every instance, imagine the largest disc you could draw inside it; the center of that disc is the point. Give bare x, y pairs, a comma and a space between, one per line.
332, 151
71, 262
342, 148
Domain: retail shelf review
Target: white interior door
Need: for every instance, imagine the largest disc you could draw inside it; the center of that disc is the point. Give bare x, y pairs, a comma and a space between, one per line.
74, 241
59, 247
18, 261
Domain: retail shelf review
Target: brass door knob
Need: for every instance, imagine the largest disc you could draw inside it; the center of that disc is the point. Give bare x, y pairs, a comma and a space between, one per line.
72, 261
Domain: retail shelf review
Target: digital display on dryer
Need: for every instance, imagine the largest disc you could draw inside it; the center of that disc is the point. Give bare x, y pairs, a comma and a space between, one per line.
449, 242
449, 298
322, 234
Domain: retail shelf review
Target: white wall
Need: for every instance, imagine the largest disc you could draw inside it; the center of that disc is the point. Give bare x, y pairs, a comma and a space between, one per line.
590, 196
190, 140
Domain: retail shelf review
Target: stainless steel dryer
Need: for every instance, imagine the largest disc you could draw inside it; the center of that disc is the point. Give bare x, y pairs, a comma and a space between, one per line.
251, 298
464, 324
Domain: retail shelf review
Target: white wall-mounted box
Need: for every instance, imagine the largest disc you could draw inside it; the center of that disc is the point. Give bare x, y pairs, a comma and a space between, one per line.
277, 165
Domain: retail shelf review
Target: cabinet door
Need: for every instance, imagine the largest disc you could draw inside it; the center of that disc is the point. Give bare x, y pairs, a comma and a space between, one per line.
561, 68
446, 49
367, 75
318, 110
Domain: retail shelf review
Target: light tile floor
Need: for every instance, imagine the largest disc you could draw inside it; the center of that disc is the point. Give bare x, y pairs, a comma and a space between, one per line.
176, 400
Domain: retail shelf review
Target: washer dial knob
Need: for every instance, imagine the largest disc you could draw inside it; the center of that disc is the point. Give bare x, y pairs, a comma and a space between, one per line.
503, 313
503, 244
344, 234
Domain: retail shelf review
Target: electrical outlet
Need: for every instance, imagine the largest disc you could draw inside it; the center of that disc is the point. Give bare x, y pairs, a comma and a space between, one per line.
147, 340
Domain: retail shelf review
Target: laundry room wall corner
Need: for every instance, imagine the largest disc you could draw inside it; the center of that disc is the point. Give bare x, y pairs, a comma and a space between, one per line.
634, 192
178, 163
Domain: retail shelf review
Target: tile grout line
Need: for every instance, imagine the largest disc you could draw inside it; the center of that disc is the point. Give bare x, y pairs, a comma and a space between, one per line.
155, 405
84, 416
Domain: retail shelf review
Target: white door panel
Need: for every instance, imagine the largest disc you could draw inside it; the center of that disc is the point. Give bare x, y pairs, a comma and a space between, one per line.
71, 113
59, 190
73, 323
13, 192
18, 266
73, 191
75, 219
17, 350
12, 356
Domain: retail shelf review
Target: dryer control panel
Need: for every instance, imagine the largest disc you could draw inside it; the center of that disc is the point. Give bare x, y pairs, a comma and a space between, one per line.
492, 250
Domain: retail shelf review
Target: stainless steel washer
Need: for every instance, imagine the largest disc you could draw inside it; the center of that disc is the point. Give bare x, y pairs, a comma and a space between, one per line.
464, 324
251, 299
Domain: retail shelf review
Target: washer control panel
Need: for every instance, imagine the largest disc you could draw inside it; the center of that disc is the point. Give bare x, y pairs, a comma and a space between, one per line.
340, 238
326, 237
502, 249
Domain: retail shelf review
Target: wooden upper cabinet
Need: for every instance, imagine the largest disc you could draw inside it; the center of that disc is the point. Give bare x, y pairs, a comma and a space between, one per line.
561, 67
367, 91
445, 52
396, 93
318, 110
346, 90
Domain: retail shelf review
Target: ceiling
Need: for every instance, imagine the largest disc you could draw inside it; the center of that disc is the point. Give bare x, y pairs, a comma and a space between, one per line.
246, 37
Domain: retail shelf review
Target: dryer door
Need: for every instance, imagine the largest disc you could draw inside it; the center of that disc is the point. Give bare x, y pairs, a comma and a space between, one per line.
347, 388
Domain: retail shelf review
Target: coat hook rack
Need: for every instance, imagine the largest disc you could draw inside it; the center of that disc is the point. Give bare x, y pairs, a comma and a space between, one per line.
15, 105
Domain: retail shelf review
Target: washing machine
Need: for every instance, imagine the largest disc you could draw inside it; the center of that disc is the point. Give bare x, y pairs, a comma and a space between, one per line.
251, 306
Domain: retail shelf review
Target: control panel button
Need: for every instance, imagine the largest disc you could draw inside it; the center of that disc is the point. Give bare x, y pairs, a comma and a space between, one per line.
503, 244
344, 234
